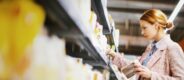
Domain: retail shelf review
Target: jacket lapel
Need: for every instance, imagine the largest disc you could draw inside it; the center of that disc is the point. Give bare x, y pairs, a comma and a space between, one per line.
161, 47
156, 56
144, 55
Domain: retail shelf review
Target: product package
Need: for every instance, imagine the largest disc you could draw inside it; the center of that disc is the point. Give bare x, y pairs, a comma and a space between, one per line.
129, 69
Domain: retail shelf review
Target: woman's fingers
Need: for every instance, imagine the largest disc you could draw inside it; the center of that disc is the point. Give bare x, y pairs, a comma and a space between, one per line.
138, 69
111, 53
137, 65
142, 71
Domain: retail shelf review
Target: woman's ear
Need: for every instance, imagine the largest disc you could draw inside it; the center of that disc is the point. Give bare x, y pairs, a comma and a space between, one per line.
157, 26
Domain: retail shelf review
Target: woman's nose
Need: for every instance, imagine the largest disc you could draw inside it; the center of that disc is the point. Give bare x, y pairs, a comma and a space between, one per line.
142, 32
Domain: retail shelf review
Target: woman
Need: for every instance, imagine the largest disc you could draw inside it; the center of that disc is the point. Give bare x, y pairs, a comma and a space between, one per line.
163, 59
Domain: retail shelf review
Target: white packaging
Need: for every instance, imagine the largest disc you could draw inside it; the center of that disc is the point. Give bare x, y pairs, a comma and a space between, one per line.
47, 59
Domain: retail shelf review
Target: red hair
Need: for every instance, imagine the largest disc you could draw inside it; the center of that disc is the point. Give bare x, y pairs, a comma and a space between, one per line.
154, 15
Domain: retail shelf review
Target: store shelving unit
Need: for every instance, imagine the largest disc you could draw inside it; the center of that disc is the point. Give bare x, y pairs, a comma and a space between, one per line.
111, 38
65, 23
101, 12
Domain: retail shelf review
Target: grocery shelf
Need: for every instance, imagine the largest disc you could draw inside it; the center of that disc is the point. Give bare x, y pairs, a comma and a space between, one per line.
119, 76
57, 14
68, 25
101, 12
108, 30
98, 7
63, 25
94, 51
112, 40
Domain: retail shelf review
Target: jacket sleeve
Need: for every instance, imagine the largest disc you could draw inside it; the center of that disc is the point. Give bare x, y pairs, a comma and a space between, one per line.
176, 64
120, 61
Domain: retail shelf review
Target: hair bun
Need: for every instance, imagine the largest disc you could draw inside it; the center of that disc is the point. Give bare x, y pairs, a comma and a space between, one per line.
169, 25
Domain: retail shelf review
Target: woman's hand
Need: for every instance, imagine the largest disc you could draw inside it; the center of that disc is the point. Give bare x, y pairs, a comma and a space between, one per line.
116, 58
142, 71
111, 54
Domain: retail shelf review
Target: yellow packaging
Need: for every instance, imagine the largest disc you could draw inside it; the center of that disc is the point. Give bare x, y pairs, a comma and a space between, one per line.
20, 21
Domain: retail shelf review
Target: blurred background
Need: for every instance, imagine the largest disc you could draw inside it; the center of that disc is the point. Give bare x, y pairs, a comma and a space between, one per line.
126, 14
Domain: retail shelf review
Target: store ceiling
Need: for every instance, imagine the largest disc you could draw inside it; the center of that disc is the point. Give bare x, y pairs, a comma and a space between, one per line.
126, 14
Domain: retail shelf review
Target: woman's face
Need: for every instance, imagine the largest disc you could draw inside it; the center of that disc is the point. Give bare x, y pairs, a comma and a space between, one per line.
148, 30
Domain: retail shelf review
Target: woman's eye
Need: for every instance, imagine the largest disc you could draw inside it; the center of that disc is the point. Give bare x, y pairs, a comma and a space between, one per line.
143, 27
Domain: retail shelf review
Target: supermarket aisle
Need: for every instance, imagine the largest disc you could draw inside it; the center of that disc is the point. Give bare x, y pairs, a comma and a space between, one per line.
34, 36
69, 39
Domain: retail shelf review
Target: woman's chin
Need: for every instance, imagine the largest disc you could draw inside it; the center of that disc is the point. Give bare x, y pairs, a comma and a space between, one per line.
149, 38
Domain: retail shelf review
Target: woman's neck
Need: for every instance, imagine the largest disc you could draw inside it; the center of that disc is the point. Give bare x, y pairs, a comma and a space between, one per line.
159, 36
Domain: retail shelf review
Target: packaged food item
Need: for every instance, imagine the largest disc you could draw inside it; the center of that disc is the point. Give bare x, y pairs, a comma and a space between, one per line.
97, 76
20, 22
92, 20
106, 74
47, 59
129, 69
120, 75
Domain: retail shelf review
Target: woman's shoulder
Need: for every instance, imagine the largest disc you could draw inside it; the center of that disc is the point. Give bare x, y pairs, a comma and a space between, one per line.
172, 45
174, 48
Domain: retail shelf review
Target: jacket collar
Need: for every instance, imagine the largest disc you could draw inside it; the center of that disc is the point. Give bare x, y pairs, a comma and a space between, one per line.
161, 45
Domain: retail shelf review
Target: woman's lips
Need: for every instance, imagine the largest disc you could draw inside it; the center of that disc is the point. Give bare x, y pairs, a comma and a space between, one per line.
145, 35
